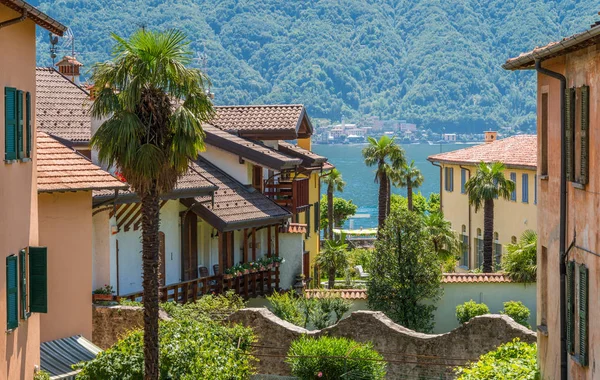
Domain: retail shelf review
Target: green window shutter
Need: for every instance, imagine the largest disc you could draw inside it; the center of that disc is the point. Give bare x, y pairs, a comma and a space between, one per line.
38, 279
23, 283
307, 216
28, 124
20, 153
583, 315
570, 288
585, 127
570, 132
10, 123
12, 293
317, 216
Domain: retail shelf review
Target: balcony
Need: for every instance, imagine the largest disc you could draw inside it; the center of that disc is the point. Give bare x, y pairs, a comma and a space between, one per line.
251, 284
292, 195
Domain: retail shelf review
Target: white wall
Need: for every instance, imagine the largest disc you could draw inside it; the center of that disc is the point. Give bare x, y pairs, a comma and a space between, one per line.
291, 247
229, 163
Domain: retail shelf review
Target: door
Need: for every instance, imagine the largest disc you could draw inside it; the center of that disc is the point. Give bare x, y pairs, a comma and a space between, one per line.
306, 264
189, 247
161, 252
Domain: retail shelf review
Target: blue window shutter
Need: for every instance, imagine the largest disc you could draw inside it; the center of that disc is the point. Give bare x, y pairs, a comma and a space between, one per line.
317, 216
23, 283
513, 195
28, 124
10, 123
12, 293
20, 153
463, 180
38, 279
451, 179
525, 187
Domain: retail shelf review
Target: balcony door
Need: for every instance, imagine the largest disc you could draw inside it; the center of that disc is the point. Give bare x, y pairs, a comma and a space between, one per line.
189, 246
161, 252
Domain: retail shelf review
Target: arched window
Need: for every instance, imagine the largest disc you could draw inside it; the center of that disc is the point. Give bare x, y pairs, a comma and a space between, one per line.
464, 229
496, 237
479, 247
464, 241
497, 251
513, 240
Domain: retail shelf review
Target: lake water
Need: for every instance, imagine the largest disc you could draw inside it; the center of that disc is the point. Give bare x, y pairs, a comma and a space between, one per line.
360, 185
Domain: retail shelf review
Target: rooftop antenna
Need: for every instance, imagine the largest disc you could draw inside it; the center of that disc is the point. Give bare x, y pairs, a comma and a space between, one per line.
202, 59
142, 26
53, 42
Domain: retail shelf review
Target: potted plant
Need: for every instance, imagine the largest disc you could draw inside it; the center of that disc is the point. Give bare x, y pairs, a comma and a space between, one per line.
277, 260
104, 293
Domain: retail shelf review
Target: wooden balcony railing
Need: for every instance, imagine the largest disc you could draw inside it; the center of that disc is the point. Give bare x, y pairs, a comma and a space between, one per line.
293, 195
247, 285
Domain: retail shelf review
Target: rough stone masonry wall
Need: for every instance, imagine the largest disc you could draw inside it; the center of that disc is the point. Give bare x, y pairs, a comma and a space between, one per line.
410, 354
109, 323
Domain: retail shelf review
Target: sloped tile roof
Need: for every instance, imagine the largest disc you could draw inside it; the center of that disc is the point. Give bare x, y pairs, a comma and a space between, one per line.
248, 149
60, 168
283, 118
517, 151
62, 107
235, 205
452, 278
349, 294
309, 159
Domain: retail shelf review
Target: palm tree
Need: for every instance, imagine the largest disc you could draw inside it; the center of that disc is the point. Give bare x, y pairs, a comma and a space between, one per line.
411, 178
441, 235
332, 258
389, 158
155, 107
520, 261
487, 184
334, 182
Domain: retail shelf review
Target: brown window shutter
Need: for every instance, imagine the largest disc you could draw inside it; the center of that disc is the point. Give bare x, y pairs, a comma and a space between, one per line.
570, 132
585, 127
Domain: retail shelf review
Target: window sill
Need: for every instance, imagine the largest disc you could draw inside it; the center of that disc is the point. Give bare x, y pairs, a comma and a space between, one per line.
8, 162
577, 185
543, 329
543, 177
23, 160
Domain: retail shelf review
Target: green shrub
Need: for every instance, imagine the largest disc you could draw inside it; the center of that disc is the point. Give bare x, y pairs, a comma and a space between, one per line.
520, 260
513, 360
324, 358
286, 306
188, 349
126, 302
308, 312
361, 256
470, 309
41, 375
517, 311
214, 307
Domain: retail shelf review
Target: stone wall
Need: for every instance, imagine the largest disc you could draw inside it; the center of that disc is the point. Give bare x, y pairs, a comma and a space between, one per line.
109, 323
409, 354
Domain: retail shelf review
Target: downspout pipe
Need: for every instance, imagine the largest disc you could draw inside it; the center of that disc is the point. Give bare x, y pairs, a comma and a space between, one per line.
469, 206
562, 217
15, 20
439, 166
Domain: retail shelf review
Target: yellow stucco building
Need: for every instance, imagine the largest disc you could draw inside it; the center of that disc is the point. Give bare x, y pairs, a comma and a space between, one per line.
511, 217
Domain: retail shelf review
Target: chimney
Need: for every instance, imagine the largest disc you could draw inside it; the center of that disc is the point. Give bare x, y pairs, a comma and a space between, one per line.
69, 67
490, 136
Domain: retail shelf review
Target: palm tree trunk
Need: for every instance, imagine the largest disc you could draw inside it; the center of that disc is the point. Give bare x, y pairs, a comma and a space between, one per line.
488, 235
150, 247
383, 200
409, 194
331, 282
330, 211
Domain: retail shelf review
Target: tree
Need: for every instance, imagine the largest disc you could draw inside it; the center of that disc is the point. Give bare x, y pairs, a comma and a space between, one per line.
332, 258
342, 210
420, 203
334, 182
389, 158
406, 272
155, 107
487, 184
410, 177
444, 240
520, 261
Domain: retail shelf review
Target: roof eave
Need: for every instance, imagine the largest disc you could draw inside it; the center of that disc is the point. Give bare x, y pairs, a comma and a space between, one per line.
172, 195
473, 163
37, 16
70, 189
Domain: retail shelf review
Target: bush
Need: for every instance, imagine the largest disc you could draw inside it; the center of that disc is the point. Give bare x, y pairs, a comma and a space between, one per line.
520, 260
41, 375
213, 307
306, 312
517, 311
188, 349
361, 256
470, 309
325, 358
286, 306
513, 360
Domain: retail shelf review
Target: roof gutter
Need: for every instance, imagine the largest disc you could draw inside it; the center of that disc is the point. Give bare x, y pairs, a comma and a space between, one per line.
441, 192
562, 216
15, 20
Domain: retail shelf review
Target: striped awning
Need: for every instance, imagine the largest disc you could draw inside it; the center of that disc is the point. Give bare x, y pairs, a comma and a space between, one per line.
58, 356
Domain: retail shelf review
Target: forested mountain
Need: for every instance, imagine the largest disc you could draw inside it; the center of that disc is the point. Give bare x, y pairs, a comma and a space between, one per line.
432, 62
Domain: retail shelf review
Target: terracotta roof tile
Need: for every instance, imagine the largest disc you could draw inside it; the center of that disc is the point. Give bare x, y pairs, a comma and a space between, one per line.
349, 294
452, 278
234, 203
517, 151
60, 168
252, 118
62, 107
294, 228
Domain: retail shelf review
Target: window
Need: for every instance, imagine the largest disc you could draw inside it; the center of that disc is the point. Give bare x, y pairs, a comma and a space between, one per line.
449, 179
464, 247
577, 105
307, 219
463, 180
479, 246
513, 195
544, 135
535, 189
525, 188
577, 312
513, 239
317, 216
12, 290
38, 280
257, 177
497, 251
16, 117
23, 283
543, 276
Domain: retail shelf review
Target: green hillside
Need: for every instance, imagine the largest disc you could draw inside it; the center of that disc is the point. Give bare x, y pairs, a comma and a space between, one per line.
432, 62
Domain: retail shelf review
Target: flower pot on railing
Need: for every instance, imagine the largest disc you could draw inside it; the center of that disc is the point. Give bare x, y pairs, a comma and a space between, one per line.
227, 276
246, 271
269, 266
276, 264
102, 297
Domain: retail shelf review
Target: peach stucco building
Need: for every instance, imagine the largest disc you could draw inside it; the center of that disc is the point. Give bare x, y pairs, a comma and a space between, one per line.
23, 290
568, 319
512, 217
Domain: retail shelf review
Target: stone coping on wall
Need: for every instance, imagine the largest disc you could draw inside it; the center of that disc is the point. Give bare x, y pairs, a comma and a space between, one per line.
349, 294
452, 278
